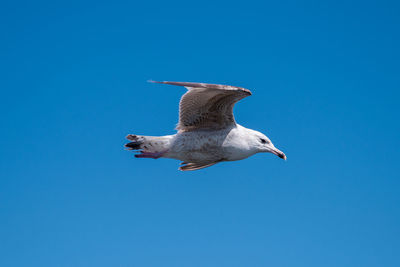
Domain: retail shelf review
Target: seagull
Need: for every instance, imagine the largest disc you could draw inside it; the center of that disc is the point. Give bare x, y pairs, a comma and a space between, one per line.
207, 132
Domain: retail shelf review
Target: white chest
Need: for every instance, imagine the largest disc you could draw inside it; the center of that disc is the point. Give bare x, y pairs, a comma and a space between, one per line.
210, 146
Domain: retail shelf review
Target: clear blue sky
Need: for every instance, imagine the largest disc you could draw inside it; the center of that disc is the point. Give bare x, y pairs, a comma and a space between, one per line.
325, 82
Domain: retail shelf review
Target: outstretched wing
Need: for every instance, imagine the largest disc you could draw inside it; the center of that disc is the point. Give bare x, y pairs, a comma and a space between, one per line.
207, 106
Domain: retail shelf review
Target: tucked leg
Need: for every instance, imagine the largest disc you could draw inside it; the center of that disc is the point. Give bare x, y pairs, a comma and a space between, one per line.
151, 155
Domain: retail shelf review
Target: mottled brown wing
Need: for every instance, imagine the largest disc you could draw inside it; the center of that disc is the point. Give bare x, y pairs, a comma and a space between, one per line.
207, 106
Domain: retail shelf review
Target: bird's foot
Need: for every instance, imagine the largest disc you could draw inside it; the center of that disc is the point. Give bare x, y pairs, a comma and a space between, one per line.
150, 155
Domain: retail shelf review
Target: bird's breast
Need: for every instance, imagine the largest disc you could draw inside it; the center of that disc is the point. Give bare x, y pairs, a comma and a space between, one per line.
198, 147
209, 146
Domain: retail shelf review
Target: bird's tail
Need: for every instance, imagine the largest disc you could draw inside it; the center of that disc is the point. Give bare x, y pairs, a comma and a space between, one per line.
148, 146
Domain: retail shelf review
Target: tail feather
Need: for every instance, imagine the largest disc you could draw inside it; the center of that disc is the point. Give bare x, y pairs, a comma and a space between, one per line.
148, 144
137, 142
133, 145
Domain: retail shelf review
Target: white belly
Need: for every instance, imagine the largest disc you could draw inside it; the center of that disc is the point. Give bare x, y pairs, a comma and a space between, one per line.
209, 146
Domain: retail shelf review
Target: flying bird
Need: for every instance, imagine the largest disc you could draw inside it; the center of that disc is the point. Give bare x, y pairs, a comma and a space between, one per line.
207, 130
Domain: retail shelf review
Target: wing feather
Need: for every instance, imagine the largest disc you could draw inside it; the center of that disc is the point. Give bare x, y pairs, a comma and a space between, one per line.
194, 166
207, 106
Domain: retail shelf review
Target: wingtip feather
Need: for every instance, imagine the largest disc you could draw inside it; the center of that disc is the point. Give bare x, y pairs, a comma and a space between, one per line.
152, 81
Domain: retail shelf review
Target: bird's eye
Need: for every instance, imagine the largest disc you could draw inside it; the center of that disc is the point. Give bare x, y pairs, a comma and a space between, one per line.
263, 141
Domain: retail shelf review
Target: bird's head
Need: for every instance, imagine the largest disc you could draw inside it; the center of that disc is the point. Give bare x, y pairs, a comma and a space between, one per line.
263, 144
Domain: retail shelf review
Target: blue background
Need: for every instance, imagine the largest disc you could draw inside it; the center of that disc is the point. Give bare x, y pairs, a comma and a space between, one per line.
325, 82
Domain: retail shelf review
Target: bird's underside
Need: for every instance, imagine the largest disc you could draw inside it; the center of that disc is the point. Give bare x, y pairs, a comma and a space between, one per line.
177, 147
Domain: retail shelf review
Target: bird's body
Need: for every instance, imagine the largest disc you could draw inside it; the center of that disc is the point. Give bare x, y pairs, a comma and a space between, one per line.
210, 146
207, 132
